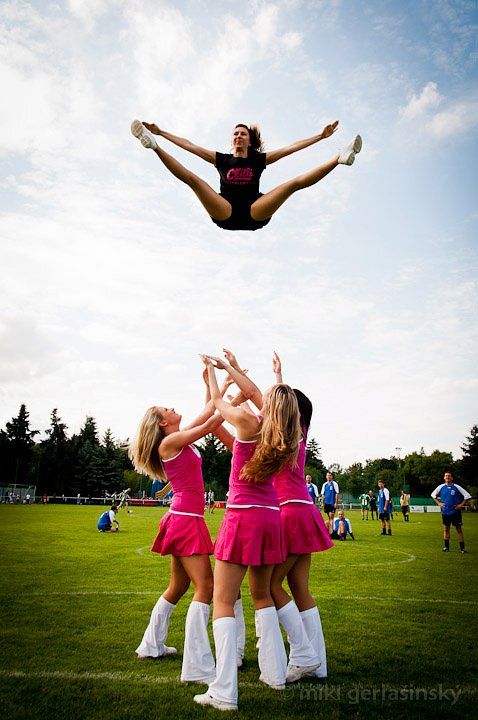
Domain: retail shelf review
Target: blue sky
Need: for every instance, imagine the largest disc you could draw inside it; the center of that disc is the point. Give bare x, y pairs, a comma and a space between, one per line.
114, 278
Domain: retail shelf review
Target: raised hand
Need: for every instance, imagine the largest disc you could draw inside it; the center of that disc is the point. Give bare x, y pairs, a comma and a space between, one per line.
152, 128
276, 364
206, 360
231, 359
329, 129
217, 362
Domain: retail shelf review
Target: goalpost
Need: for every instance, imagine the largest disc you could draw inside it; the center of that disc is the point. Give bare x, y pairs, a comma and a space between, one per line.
17, 493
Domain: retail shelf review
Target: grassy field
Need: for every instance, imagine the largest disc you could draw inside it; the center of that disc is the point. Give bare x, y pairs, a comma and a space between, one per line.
399, 619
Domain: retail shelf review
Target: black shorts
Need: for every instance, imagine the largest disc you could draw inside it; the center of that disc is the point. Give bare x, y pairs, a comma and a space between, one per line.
384, 516
373, 506
241, 216
454, 519
329, 508
405, 509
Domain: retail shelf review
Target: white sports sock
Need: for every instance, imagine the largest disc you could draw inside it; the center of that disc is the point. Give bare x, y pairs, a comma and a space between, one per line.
313, 628
301, 651
224, 686
272, 655
241, 628
198, 662
152, 644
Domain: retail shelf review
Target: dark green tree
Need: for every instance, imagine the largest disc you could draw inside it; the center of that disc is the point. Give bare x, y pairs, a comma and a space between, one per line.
313, 462
469, 463
20, 439
54, 467
216, 465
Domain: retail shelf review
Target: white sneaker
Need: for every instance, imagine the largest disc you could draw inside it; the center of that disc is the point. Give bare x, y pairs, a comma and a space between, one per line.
145, 137
239, 661
296, 672
347, 155
207, 699
274, 687
167, 651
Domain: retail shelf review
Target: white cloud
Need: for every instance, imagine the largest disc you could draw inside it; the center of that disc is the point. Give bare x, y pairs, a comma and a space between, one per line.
429, 99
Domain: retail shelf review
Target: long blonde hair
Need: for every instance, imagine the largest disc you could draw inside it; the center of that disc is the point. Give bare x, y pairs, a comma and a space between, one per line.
143, 452
280, 435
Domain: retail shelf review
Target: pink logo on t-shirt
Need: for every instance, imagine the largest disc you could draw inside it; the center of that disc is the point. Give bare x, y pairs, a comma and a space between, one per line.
240, 176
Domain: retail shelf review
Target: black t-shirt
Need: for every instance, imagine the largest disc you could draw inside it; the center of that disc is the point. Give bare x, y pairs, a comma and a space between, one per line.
240, 176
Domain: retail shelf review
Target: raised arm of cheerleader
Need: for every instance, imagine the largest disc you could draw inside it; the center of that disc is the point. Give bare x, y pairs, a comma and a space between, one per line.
208, 155
222, 433
174, 443
246, 424
275, 155
244, 383
277, 368
209, 406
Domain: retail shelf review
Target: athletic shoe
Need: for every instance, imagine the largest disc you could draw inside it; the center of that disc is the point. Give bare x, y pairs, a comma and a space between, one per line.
239, 661
167, 651
347, 155
145, 137
296, 672
463, 551
274, 687
445, 549
207, 699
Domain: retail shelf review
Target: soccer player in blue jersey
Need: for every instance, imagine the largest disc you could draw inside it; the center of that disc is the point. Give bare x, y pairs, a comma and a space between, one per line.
312, 489
330, 498
450, 498
107, 519
384, 508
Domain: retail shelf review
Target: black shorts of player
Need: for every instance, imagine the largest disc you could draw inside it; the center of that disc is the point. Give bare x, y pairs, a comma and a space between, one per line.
384, 516
241, 216
329, 508
373, 505
454, 519
405, 509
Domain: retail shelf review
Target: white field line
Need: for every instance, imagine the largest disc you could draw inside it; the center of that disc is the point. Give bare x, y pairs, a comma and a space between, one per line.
112, 676
353, 598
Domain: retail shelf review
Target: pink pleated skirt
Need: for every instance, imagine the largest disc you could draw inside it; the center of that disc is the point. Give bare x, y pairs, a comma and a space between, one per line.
182, 535
250, 536
304, 529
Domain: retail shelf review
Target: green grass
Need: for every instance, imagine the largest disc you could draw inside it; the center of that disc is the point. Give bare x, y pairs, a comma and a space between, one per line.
397, 614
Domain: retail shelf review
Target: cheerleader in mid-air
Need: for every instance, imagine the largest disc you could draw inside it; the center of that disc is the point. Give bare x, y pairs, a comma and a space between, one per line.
163, 450
240, 205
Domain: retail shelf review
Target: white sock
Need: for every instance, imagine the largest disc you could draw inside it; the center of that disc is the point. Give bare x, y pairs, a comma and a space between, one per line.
272, 655
198, 662
313, 628
241, 628
152, 644
301, 651
224, 686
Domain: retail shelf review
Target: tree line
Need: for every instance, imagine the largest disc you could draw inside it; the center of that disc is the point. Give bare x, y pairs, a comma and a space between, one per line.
91, 465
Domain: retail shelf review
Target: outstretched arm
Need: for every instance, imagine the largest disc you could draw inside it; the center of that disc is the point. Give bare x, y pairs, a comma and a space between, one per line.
277, 368
248, 388
209, 406
208, 155
246, 424
275, 155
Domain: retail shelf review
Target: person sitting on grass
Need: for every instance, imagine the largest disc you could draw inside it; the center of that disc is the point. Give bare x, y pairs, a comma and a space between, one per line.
107, 519
342, 527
